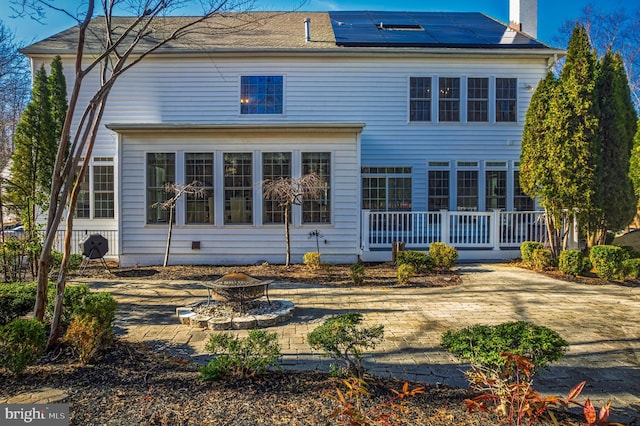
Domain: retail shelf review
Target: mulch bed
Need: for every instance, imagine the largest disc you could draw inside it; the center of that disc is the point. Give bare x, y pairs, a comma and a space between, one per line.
131, 384
376, 274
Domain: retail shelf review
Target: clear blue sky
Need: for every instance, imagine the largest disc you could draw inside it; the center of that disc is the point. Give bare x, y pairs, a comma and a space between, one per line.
551, 13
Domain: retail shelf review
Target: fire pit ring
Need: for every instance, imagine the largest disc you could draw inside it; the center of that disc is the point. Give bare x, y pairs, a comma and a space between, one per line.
237, 287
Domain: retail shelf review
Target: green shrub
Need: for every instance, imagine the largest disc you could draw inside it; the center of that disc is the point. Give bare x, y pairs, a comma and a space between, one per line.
526, 251
245, 356
607, 261
357, 273
442, 255
16, 299
420, 260
631, 251
91, 327
631, 268
75, 260
312, 260
484, 345
571, 262
541, 259
405, 272
587, 266
342, 339
21, 344
72, 303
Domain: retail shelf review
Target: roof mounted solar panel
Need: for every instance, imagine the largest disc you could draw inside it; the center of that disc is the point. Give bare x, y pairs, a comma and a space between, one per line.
425, 29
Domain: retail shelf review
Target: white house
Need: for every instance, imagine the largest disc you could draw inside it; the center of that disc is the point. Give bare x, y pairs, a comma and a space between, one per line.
414, 120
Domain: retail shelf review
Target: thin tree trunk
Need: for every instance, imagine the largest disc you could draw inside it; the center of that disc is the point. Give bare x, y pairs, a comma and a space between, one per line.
166, 252
55, 331
286, 235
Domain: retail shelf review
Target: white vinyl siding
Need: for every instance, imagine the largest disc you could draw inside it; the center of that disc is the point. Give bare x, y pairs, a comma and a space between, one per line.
369, 89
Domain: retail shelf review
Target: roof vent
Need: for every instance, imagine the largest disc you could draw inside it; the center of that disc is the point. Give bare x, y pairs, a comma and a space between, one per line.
307, 30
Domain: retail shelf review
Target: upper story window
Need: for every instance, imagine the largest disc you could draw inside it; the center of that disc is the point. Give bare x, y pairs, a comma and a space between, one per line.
478, 99
506, 99
449, 99
420, 99
261, 94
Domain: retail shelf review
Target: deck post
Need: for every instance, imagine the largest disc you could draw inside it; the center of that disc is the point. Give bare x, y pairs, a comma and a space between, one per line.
494, 235
444, 227
364, 232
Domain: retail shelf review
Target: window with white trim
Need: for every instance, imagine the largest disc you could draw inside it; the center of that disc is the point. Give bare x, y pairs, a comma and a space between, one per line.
420, 99
495, 189
467, 186
449, 99
238, 188
198, 167
438, 184
161, 170
506, 99
96, 199
386, 188
318, 209
478, 99
275, 165
261, 94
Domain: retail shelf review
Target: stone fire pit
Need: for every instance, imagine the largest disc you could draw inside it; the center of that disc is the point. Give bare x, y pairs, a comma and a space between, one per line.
233, 303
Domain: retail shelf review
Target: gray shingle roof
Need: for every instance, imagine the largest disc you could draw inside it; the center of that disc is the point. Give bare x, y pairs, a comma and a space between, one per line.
286, 30
254, 30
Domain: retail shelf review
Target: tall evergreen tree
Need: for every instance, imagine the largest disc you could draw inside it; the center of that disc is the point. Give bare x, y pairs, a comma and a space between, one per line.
560, 160
34, 131
617, 126
634, 168
575, 139
59, 106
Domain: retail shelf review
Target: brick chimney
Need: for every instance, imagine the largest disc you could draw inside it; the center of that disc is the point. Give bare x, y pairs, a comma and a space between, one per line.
523, 16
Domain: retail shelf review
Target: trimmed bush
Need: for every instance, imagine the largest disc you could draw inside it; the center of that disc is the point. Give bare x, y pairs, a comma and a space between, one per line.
607, 261
312, 260
484, 345
526, 251
442, 255
72, 303
541, 259
21, 344
342, 339
245, 356
75, 260
405, 272
571, 262
357, 273
91, 328
420, 260
631, 251
16, 299
631, 268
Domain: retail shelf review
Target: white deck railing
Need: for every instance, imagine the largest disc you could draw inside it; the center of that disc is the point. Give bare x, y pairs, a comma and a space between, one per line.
461, 229
78, 236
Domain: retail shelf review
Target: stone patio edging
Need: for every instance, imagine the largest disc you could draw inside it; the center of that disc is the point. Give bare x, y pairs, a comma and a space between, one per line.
187, 316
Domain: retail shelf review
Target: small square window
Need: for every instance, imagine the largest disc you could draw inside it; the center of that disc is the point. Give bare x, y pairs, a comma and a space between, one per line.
261, 94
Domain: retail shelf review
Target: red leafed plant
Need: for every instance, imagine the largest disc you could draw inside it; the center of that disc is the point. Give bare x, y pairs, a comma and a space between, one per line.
511, 396
353, 411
